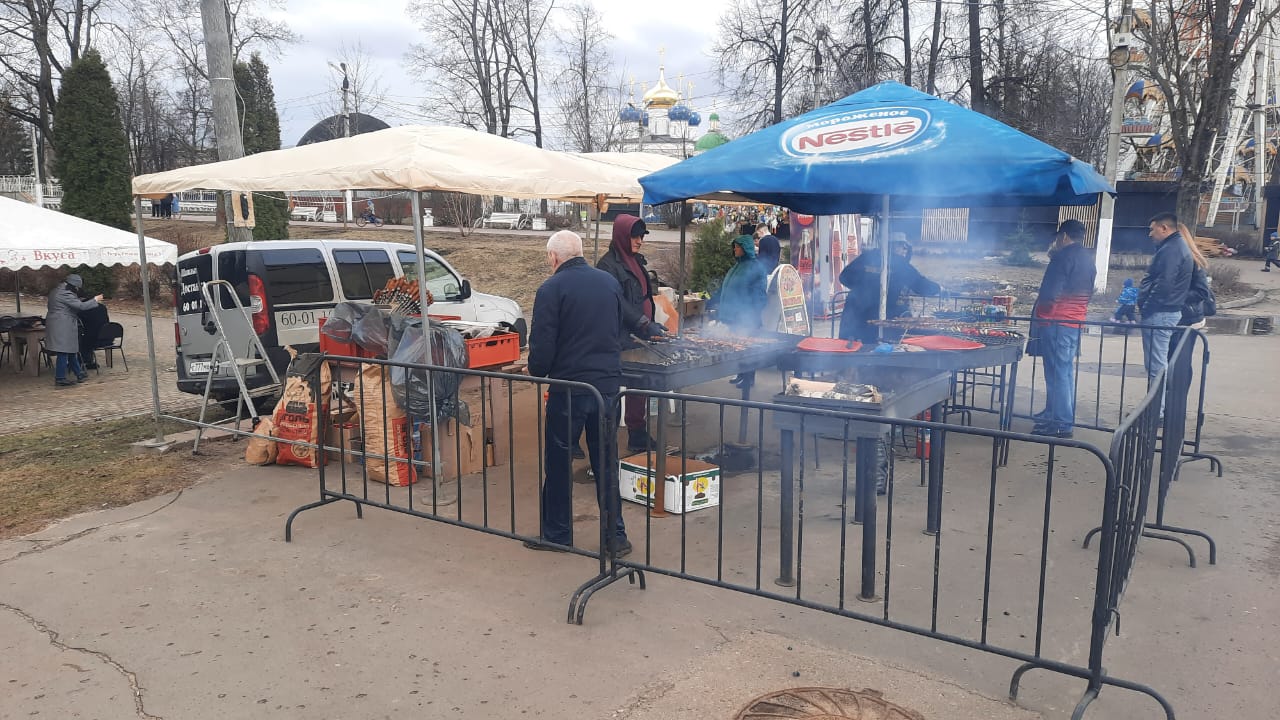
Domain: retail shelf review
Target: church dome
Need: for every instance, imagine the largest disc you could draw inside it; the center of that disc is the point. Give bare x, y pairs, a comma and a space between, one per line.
710, 141
661, 95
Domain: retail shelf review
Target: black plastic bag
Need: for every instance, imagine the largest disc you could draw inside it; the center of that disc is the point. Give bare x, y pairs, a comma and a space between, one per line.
412, 388
372, 331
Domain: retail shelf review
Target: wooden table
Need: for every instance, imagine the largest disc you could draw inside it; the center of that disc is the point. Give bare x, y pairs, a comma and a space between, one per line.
26, 349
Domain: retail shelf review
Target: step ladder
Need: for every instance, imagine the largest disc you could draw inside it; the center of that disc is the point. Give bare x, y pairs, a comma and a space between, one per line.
225, 357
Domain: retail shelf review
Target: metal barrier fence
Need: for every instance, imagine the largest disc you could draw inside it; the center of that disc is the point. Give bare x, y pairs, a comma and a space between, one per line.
928, 577
929, 584
436, 446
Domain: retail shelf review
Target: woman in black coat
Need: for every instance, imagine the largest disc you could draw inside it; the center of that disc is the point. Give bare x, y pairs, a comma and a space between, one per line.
625, 263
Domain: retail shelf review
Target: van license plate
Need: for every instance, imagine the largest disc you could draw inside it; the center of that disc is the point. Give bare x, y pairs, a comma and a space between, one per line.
290, 319
198, 367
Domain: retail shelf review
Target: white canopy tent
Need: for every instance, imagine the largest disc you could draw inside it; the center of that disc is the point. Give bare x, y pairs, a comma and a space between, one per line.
32, 237
422, 158
414, 158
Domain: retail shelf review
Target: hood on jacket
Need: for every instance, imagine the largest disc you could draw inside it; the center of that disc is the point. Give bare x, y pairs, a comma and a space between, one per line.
624, 226
1128, 282
748, 245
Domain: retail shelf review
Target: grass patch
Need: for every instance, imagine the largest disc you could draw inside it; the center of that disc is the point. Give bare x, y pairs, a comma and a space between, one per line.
56, 472
1226, 280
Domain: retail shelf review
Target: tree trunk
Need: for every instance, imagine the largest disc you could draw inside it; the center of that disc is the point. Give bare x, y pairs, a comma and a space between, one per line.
779, 66
977, 85
935, 48
906, 42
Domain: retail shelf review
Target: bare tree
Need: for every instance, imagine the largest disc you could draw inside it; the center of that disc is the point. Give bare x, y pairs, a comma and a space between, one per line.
39, 39
763, 53
522, 39
1195, 50
587, 101
468, 70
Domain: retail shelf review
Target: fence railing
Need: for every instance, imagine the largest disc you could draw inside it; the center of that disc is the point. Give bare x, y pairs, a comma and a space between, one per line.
906, 560
842, 551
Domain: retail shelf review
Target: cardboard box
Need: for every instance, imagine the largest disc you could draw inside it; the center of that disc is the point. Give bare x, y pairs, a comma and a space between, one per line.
459, 454
701, 482
496, 433
344, 434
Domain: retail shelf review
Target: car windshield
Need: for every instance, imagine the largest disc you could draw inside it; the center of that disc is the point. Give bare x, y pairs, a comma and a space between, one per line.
442, 283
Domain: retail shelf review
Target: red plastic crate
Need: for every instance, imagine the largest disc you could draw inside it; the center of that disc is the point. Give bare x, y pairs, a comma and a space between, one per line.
334, 346
497, 349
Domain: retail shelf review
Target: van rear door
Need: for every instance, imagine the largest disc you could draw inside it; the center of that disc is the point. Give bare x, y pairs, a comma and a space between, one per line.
289, 290
194, 344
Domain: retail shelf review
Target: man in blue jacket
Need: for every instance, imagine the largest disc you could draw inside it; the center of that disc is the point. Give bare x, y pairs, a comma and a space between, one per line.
1163, 292
577, 336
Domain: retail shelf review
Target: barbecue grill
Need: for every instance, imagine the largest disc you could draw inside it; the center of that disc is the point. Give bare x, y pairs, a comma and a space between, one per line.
693, 360
996, 350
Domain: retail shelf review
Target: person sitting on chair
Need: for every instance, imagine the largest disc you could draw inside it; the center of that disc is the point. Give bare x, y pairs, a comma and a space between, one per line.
92, 321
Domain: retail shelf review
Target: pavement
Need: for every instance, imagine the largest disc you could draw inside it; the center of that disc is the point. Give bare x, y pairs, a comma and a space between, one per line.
191, 605
31, 401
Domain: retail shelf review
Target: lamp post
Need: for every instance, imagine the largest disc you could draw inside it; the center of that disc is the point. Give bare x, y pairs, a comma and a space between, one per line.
346, 129
1119, 60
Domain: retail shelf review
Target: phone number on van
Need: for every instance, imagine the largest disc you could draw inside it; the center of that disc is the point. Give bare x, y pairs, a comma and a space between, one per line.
290, 319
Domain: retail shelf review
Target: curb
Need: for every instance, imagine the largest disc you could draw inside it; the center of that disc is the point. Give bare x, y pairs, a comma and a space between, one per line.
1246, 302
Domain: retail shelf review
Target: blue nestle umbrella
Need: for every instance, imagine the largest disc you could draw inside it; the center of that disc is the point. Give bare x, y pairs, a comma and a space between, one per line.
886, 141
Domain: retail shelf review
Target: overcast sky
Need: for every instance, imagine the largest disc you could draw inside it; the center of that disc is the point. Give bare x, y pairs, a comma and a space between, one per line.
302, 78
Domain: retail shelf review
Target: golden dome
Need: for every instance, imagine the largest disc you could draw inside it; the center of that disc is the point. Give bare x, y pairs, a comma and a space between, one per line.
661, 95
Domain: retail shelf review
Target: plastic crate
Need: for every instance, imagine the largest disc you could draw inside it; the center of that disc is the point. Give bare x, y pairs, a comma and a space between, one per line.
497, 349
334, 346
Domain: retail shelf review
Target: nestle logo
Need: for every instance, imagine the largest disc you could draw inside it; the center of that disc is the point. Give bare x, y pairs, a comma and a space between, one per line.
865, 132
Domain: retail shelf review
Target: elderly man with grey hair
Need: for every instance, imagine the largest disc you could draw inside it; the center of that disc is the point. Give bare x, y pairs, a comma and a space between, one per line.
577, 336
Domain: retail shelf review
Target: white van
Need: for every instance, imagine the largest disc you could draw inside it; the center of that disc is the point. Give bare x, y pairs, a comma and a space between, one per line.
289, 285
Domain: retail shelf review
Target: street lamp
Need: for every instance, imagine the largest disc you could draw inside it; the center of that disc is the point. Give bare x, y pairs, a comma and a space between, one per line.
346, 124
1120, 54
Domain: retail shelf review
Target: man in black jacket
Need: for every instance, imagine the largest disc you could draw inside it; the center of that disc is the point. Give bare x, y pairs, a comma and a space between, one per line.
625, 263
576, 336
1163, 292
1063, 303
862, 277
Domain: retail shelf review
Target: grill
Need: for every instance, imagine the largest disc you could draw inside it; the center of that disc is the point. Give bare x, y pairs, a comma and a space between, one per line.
997, 349
693, 360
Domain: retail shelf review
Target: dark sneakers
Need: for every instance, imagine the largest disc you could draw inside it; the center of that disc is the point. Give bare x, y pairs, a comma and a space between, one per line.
620, 548
543, 546
64, 383
1045, 431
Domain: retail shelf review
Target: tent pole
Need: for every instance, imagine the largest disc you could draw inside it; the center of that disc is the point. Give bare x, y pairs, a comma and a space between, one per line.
884, 262
17, 288
595, 248
680, 286
419, 246
151, 335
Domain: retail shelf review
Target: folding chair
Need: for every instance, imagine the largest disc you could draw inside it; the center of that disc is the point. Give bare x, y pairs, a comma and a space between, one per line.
111, 339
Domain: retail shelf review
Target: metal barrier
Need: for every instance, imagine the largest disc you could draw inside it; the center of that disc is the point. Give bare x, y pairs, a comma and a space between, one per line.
495, 506
1179, 378
926, 577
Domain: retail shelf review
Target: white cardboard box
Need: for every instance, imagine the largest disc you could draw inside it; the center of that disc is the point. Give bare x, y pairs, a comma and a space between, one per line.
701, 482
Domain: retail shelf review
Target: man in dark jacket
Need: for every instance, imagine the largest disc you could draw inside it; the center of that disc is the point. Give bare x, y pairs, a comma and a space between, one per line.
862, 277
768, 249
576, 336
625, 263
1061, 306
1163, 292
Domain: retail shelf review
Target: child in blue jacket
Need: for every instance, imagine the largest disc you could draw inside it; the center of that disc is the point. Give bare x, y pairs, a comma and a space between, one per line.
1127, 303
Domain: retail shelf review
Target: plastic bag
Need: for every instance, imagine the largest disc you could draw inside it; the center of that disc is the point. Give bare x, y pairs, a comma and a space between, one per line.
372, 331
412, 389
343, 318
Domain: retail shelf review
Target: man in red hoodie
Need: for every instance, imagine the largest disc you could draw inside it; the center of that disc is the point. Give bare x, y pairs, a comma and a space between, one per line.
1062, 304
625, 263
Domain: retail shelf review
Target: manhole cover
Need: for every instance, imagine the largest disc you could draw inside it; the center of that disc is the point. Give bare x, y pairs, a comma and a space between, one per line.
817, 703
